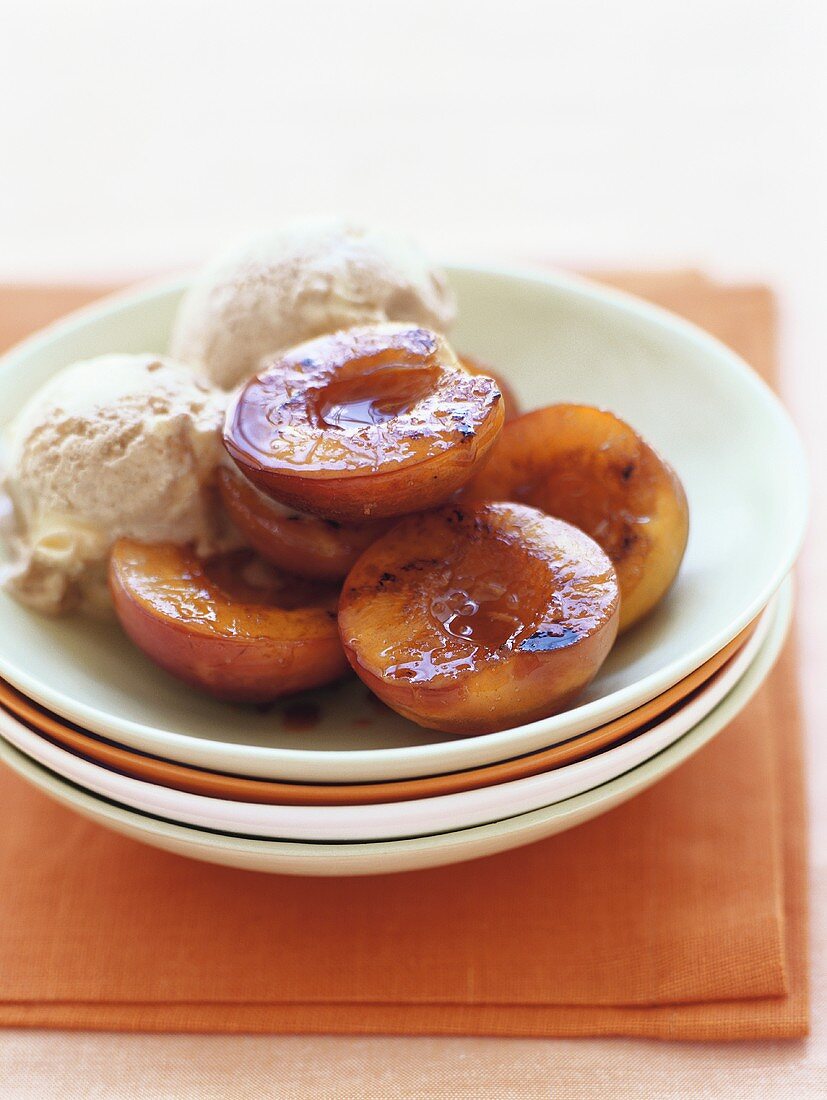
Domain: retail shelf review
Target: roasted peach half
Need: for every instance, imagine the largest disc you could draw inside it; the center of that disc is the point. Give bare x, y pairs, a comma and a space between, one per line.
588, 467
476, 619
305, 545
510, 399
371, 422
232, 625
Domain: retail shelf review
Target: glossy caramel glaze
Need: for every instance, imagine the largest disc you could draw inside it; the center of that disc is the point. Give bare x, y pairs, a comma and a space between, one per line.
302, 544
371, 422
232, 626
507, 614
588, 467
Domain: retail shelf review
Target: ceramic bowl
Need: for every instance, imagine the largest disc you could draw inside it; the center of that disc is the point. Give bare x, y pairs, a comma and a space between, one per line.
184, 777
555, 338
298, 858
380, 821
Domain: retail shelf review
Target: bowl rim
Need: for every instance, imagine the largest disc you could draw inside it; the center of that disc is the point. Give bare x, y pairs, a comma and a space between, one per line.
454, 846
446, 755
396, 820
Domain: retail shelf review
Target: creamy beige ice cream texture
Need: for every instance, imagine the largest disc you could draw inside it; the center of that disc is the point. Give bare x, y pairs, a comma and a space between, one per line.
301, 281
121, 445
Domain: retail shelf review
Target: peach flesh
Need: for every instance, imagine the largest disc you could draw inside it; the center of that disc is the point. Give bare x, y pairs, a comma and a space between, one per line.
230, 627
588, 467
478, 619
367, 423
305, 545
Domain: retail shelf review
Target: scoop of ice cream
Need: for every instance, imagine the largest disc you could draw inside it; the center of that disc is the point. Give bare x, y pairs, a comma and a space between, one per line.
298, 282
121, 445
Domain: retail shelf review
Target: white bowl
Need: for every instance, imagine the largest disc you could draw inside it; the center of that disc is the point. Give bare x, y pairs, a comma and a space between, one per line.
385, 821
298, 858
556, 338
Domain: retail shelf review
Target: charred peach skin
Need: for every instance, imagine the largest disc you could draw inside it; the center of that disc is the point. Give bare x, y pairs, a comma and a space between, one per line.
510, 399
305, 545
476, 619
372, 422
588, 467
230, 626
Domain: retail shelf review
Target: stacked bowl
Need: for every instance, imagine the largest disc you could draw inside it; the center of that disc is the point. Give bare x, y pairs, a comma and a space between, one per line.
332, 782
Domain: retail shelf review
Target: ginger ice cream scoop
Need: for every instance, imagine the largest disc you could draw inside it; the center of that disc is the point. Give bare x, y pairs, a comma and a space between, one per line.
301, 281
120, 445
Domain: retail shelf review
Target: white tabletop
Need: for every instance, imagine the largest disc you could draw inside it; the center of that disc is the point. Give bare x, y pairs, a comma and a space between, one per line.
649, 133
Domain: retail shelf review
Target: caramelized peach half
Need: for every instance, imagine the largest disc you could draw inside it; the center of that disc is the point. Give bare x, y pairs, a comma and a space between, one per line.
305, 545
372, 422
588, 467
231, 626
476, 619
510, 399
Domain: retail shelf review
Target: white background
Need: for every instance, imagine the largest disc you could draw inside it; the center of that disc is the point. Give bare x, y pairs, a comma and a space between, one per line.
137, 136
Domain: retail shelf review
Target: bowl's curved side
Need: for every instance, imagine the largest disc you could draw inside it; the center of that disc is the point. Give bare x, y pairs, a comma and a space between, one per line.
560, 334
384, 857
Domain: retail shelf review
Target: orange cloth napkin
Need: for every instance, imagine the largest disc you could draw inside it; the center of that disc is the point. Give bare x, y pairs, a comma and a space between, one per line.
679, 915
